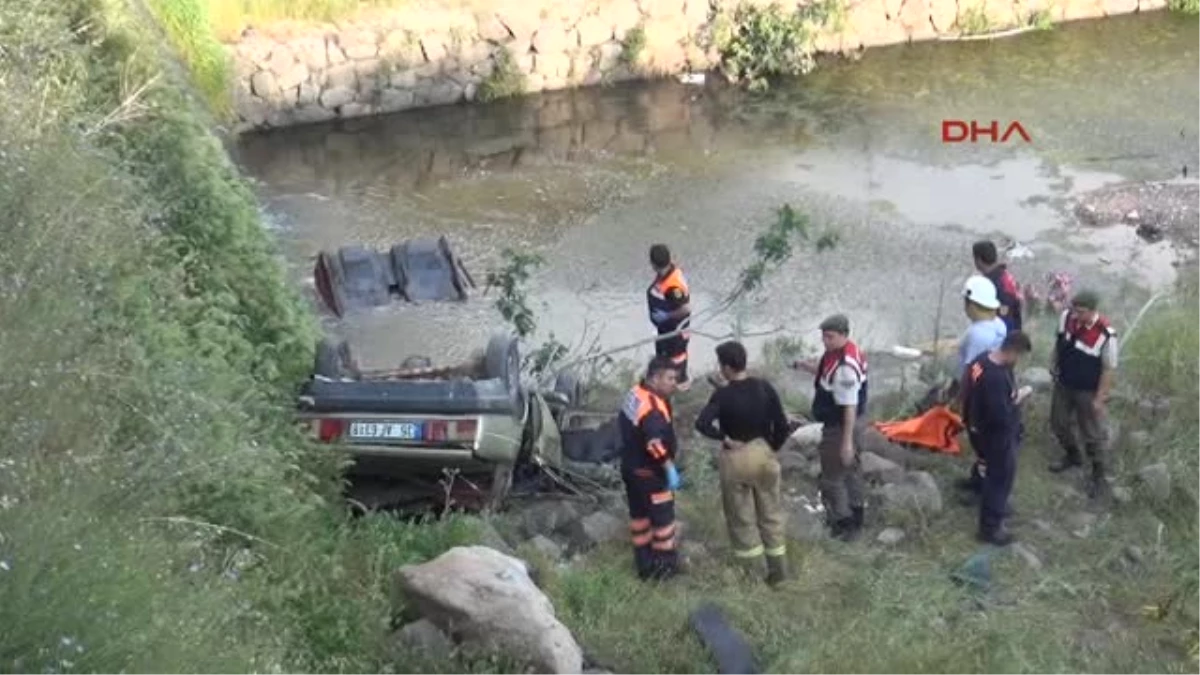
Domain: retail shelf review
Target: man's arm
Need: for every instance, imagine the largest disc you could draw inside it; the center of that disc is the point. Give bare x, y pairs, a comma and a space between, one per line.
1062, 328
678, 296
1108, 359
993, 396
846, 385
776, 416
706, 423
656, 429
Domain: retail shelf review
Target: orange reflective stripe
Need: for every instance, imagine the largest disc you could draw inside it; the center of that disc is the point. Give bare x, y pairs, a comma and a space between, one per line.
679, 358
642, 539
639, 525
656, 449
662, 497
668, 545
673, 280
664, 533
647, 402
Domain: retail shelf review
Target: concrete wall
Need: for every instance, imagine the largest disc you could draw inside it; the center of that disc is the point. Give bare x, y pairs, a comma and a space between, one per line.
288, 74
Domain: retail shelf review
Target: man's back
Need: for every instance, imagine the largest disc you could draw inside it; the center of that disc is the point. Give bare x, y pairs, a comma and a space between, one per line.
980, 338
748, 409
989, 401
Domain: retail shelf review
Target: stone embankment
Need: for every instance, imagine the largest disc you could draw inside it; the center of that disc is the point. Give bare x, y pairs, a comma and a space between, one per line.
288, 74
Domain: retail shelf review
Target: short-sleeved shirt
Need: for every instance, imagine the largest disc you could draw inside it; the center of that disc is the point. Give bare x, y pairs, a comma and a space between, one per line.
980, 337
846, 385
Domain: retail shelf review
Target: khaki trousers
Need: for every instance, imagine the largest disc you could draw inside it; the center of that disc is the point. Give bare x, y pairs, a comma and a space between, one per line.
750, 479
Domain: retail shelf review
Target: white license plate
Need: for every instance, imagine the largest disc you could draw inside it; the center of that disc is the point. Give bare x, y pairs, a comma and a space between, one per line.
385, 431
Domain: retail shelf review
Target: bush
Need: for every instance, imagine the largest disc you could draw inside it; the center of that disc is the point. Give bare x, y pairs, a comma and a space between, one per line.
758, 43
505, 80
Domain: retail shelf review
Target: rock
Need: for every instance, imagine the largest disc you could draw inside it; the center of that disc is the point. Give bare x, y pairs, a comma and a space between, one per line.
1027, 556
1155, 480
594, 31
333, 52
265, 85
491, 29
891, 536
813, 470
488, 535
312, 114
359, 46
282, 60
806, 438
423, 636
877, 468
547, 547
805, 525
595, 529
356, 110
343, 75
1038, 378
440, 93
1081, 523
544, 517
1044, 526
915, 491
307, 94
395, 100
293, 76
871, 439
791, 461
311, 53
1122, 494
336, 97
488, 599
1133, 555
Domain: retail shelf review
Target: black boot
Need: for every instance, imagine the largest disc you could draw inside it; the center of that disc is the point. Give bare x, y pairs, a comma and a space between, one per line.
1070, 461
857, 516
1097, 487
999, 536
776, 570
847, 530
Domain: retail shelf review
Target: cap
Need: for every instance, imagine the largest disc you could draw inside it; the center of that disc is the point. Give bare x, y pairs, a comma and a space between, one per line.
1086, 299
837, 323
981, 291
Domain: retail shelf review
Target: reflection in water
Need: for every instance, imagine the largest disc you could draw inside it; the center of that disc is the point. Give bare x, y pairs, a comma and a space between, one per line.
591, 178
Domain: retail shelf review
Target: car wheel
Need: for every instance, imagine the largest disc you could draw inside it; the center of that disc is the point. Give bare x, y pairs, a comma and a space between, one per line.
329, 279
569, 385
333, 360
502, 481
503, 361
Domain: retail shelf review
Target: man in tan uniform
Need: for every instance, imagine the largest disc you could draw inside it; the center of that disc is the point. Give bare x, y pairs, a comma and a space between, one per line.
747, 416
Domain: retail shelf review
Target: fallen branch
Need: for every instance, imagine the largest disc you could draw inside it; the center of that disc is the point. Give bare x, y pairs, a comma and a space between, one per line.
181, 520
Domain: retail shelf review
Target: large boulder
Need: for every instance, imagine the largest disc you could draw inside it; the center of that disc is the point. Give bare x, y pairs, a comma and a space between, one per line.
1038, 378
487, 600
594, 529
916, 491
1155, 481
547, 516
880, 470
805, 439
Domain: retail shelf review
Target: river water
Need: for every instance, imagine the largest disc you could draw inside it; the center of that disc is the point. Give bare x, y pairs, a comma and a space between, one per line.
589, 179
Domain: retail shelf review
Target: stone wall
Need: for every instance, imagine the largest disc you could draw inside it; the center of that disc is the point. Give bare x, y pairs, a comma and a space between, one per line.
288, 74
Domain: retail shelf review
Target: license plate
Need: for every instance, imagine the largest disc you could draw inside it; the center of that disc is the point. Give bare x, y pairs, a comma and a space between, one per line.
385, 431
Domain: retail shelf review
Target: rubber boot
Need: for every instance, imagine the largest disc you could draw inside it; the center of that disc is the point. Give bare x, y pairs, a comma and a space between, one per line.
846, 530
997, 537
776, 570
1097, 488
857, 516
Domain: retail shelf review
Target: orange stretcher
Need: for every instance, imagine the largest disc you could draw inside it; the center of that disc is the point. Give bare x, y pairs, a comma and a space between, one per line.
936, 429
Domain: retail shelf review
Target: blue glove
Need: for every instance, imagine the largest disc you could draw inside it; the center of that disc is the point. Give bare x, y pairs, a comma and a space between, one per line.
674, 482
658, 316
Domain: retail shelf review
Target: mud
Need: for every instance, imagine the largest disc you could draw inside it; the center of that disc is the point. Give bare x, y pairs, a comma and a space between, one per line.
1157, 210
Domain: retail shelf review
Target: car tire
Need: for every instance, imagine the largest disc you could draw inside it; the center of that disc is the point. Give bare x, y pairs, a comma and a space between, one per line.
502, 482
329, 278
502, 361
569, 385
333, 360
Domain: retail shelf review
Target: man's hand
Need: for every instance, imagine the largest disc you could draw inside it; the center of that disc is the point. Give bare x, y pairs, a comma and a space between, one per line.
847, 454
805, 365
730, 444
1100, 404
658, 316
1022, 394
674, 482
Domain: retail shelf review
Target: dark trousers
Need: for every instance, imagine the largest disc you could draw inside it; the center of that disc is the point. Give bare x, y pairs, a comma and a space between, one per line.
997, 469
1069, 409
676, 349
841, 486
651, 522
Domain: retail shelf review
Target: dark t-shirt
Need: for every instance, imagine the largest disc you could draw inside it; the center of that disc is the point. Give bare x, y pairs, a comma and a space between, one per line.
745, 410
990, 407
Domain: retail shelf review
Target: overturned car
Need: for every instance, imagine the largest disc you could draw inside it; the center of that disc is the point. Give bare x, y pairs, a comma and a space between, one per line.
477, 420
419, 270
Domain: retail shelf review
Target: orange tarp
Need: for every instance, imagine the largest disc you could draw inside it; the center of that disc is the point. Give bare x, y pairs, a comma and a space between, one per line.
937, 429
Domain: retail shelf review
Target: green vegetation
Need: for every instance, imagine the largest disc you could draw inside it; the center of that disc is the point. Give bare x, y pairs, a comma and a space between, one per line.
633, 45
1041, 19
505, 80
758, 43
188, 25
1190, 7
974, 20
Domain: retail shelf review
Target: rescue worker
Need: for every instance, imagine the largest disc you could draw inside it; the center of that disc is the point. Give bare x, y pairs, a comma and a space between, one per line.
747, 416
992, 414
648, 448
840, 402
1083, 365
1012, 301
669, 302
985, 333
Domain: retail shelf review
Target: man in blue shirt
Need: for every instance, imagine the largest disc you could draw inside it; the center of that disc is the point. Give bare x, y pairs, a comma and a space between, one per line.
992, 415
985, 333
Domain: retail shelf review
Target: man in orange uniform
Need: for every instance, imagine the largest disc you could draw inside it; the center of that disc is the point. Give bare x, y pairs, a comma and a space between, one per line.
648, 448
669, 302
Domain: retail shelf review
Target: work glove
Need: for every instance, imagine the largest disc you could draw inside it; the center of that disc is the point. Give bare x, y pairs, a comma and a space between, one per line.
658, 316
674, 481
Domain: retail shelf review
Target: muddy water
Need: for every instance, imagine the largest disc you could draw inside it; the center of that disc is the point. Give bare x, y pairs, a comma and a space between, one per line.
590, 179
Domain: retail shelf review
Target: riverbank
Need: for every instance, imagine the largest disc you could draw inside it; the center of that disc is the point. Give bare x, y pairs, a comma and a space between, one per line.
387, 59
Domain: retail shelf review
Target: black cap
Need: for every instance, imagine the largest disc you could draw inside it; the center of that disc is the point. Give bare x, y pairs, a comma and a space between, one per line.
1086, 299
837, 323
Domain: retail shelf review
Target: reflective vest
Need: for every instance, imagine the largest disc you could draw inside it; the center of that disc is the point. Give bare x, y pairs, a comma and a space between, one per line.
636, 449
824, 408
1007, 292
658, 297
1080, 348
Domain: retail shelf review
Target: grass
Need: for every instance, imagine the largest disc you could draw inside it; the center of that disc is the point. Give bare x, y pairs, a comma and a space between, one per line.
1041, 19
505, 80
633, 45
974, 21
1189, 7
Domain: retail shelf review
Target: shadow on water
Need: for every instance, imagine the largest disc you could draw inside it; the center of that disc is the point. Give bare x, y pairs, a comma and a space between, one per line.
590, 178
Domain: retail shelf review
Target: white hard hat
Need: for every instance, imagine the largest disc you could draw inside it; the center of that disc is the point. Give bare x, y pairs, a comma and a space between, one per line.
981, 291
